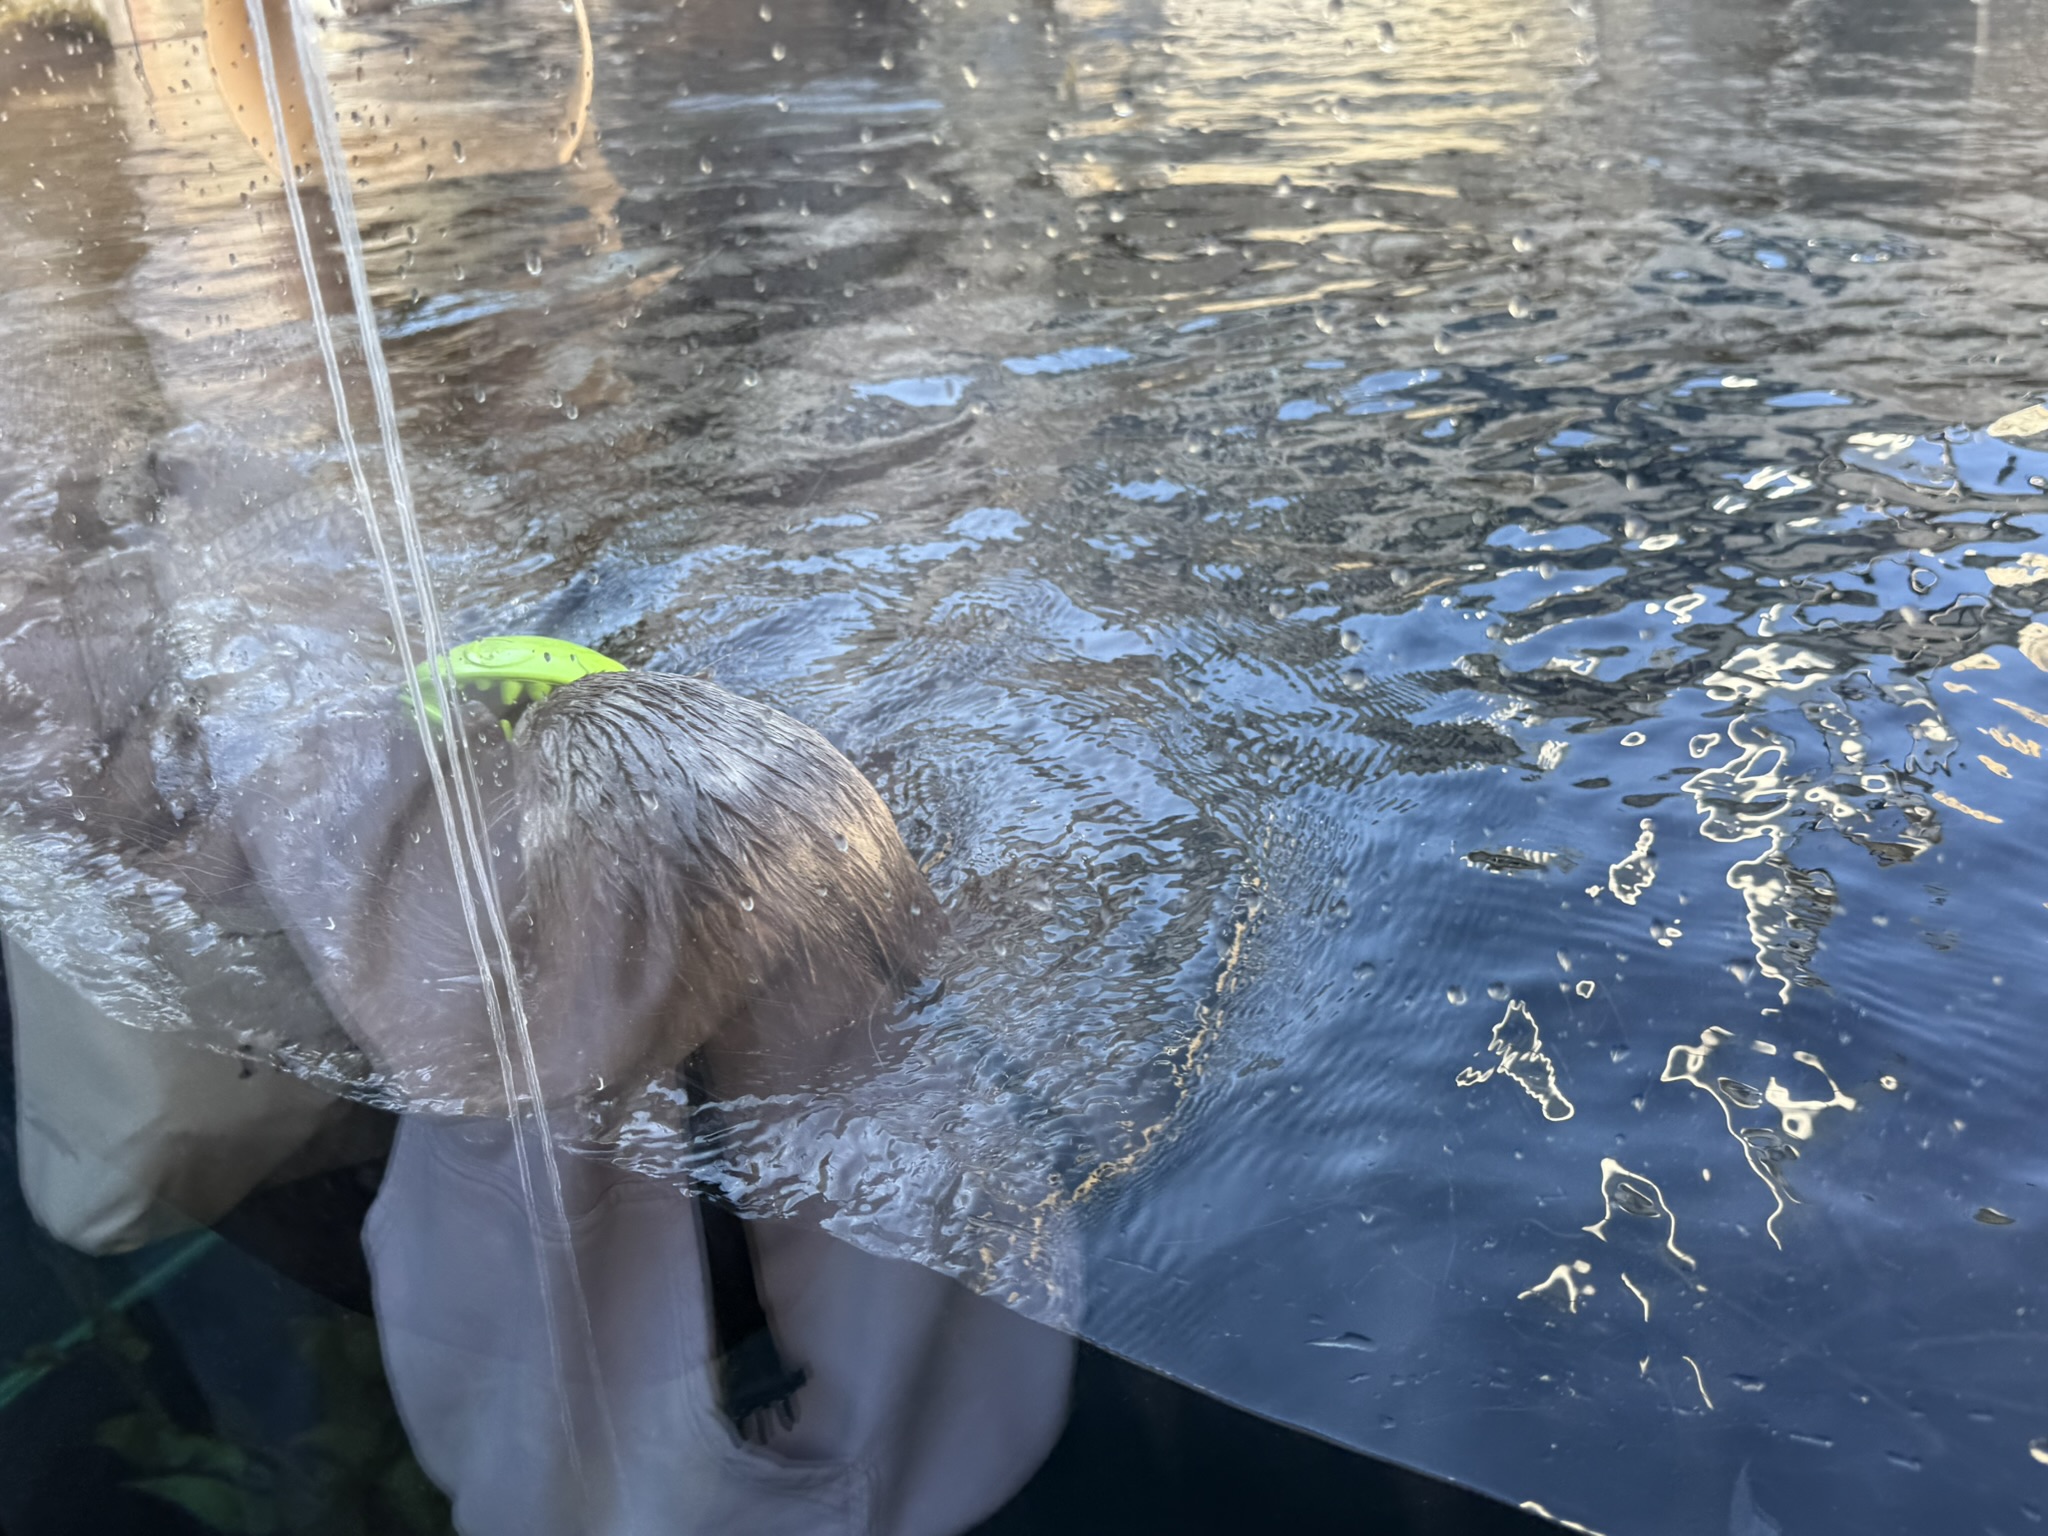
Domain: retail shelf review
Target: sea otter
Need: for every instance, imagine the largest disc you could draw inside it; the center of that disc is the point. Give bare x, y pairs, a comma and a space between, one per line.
707, 888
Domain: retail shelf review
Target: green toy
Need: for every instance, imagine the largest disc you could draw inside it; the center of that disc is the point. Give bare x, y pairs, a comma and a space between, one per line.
507, 672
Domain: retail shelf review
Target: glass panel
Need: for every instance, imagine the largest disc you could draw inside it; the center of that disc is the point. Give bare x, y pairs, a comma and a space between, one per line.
1441, 606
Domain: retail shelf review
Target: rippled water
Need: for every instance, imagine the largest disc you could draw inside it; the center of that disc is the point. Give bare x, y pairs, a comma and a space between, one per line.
1450, 591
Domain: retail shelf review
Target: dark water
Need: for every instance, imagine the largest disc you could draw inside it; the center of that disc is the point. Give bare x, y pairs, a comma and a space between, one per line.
1437, 580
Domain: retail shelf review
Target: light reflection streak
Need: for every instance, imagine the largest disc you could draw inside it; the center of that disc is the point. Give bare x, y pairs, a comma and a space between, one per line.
1636, 1195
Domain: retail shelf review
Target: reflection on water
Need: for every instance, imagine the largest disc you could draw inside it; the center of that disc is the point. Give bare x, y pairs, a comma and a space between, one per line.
1279, 497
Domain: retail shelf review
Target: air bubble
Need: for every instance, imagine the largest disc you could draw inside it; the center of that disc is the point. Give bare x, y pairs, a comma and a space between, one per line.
746, 903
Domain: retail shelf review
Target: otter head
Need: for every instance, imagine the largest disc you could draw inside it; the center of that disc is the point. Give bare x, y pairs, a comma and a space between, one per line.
704, 876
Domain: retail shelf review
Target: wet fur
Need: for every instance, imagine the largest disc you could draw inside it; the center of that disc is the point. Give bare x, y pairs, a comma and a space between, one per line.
703, 869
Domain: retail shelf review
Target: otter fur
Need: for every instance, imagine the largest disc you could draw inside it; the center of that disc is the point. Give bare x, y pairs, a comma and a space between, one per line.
707, 874
685, 873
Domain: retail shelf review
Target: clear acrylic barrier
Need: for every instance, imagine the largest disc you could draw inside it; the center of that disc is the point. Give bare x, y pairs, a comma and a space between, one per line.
1447, 601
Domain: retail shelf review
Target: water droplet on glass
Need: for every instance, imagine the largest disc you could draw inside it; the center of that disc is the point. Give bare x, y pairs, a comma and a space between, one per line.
1518, 35
778, 53
746, 903
1454, 995
1363, 971
554, 399
1386, 35
1351, 641
2038, 1449
1284, 187
888, 58
750, 378
459, 155
839, 841
533, 262
1498, 991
